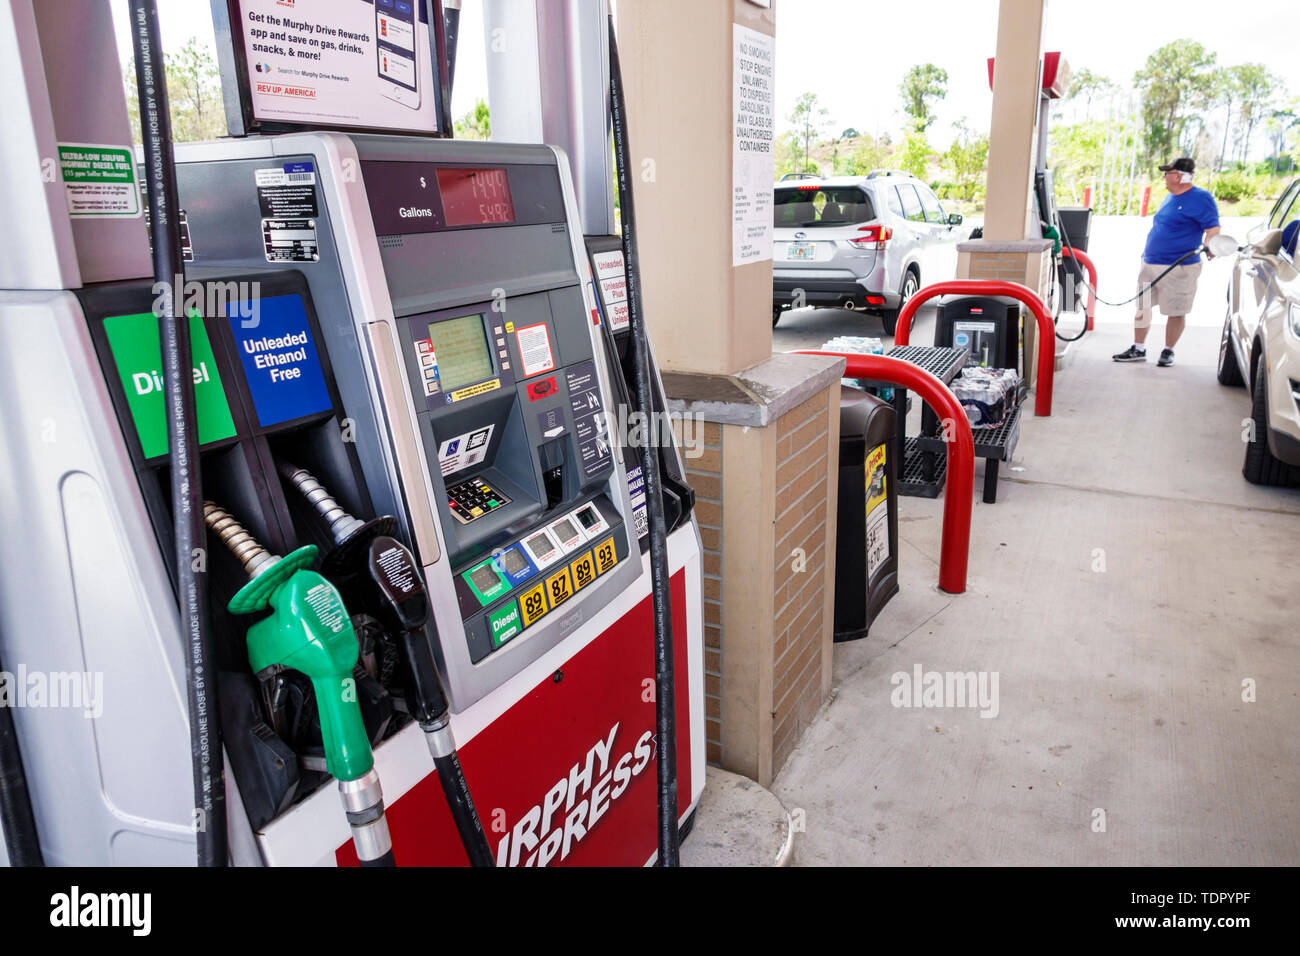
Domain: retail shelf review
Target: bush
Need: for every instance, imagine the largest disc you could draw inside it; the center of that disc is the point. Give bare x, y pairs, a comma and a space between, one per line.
1233, 185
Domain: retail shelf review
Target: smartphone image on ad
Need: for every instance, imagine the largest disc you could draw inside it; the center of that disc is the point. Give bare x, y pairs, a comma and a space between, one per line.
395, 52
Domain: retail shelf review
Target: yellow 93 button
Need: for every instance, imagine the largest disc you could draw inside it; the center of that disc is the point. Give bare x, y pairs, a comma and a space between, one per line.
584, 571
559, 588
606, 555
532, 603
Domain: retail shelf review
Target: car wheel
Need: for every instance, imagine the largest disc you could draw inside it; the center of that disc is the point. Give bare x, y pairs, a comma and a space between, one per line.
889, 318
1229, 372
1260, 467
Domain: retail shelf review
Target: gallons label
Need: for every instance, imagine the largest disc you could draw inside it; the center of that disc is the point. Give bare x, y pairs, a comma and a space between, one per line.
134, 342
279, 357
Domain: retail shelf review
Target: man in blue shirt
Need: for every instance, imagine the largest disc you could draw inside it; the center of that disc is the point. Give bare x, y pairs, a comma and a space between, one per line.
1186, 219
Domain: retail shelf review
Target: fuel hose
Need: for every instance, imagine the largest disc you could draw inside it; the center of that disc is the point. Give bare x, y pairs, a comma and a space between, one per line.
182, 437
665, 690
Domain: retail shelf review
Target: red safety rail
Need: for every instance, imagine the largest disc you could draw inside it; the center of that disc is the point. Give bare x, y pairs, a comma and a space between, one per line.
954, 548
1014, 290
1091, 269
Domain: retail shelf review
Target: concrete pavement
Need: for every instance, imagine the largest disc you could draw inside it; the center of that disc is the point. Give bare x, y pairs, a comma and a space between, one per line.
1137, 601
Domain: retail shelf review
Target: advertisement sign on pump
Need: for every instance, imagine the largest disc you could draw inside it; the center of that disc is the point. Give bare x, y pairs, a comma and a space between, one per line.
339, 63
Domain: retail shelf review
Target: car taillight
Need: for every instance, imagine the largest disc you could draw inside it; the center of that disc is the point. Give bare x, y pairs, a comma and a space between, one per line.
873, 237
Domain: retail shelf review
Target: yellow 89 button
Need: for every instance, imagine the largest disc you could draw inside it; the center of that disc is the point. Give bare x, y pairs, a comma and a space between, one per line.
532, 603
584, 571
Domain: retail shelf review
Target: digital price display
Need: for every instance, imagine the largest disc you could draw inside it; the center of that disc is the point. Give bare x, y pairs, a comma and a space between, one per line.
475, 197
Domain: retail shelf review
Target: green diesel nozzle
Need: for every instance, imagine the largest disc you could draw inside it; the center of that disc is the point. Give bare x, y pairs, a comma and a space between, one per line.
308, 630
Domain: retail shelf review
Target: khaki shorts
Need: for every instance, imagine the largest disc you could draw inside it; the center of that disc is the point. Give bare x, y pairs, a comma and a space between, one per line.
1174, 293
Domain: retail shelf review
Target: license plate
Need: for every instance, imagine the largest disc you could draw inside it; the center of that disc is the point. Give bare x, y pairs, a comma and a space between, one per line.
801, 250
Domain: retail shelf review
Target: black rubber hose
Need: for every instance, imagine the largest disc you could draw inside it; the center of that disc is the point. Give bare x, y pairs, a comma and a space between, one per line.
17, 820
665, 690
182, 436
444, 51
427, 702
456, 789
386, 860
451, 31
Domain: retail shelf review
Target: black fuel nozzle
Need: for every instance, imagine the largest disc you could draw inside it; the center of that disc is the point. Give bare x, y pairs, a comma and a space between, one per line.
405, 599
405, 603
351, 535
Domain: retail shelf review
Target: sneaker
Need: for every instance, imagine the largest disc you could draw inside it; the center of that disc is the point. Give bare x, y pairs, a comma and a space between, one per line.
1166, 358
1131, 354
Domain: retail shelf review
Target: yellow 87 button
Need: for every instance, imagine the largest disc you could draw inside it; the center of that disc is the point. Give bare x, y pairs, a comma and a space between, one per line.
559, 588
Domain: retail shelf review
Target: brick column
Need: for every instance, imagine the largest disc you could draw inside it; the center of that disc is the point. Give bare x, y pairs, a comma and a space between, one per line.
1026, 261
766, 480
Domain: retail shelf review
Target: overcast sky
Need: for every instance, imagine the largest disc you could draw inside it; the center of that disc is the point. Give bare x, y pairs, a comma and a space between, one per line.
853, 53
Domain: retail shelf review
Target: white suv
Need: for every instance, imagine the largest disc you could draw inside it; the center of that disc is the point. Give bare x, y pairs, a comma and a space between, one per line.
861, 242
1260, 346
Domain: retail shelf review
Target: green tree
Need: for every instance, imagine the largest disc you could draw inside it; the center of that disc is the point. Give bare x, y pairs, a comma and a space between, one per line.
924, 85
809, 119
967, 160
863, 154
193, 92
1176, 78
476, 124
1087, 86
787, 154
1256, 87
914, 153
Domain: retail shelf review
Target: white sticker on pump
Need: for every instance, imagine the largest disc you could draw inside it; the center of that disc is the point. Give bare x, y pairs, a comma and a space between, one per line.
608, 264
568, 533
535, 349
464, 450
591, 521
541, 547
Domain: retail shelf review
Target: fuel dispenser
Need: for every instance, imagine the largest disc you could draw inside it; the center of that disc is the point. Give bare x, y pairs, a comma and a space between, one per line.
399, 362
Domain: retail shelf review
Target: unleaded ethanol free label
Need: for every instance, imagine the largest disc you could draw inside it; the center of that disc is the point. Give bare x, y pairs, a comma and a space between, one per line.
279, 357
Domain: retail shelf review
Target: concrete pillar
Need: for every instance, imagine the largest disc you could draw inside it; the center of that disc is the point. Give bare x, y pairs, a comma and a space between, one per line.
705, 314
766, 476
1013, 247
1013, 130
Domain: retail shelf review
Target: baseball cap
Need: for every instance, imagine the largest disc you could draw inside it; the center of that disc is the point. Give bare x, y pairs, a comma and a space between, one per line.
1183, 164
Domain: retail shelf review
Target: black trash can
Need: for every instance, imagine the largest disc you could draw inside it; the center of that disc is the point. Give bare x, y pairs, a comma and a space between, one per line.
866, 538
1076, 225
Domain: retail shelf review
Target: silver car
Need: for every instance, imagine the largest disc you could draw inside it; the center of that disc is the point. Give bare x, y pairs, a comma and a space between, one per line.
1260, 346
860, 242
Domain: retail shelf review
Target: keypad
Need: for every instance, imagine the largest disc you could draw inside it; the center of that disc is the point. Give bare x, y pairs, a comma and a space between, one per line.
473, 498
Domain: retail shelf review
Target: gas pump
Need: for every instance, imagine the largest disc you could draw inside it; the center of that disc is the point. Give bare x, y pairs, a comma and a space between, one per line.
398, 360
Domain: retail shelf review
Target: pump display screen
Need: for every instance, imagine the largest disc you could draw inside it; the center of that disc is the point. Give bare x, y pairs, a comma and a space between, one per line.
540, 545
475, 197
512, 562
485, 579
461, 348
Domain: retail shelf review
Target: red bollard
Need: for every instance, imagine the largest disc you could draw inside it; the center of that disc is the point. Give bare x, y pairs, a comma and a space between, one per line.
1014, 290
1087, 197
954, 547
1146, 201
